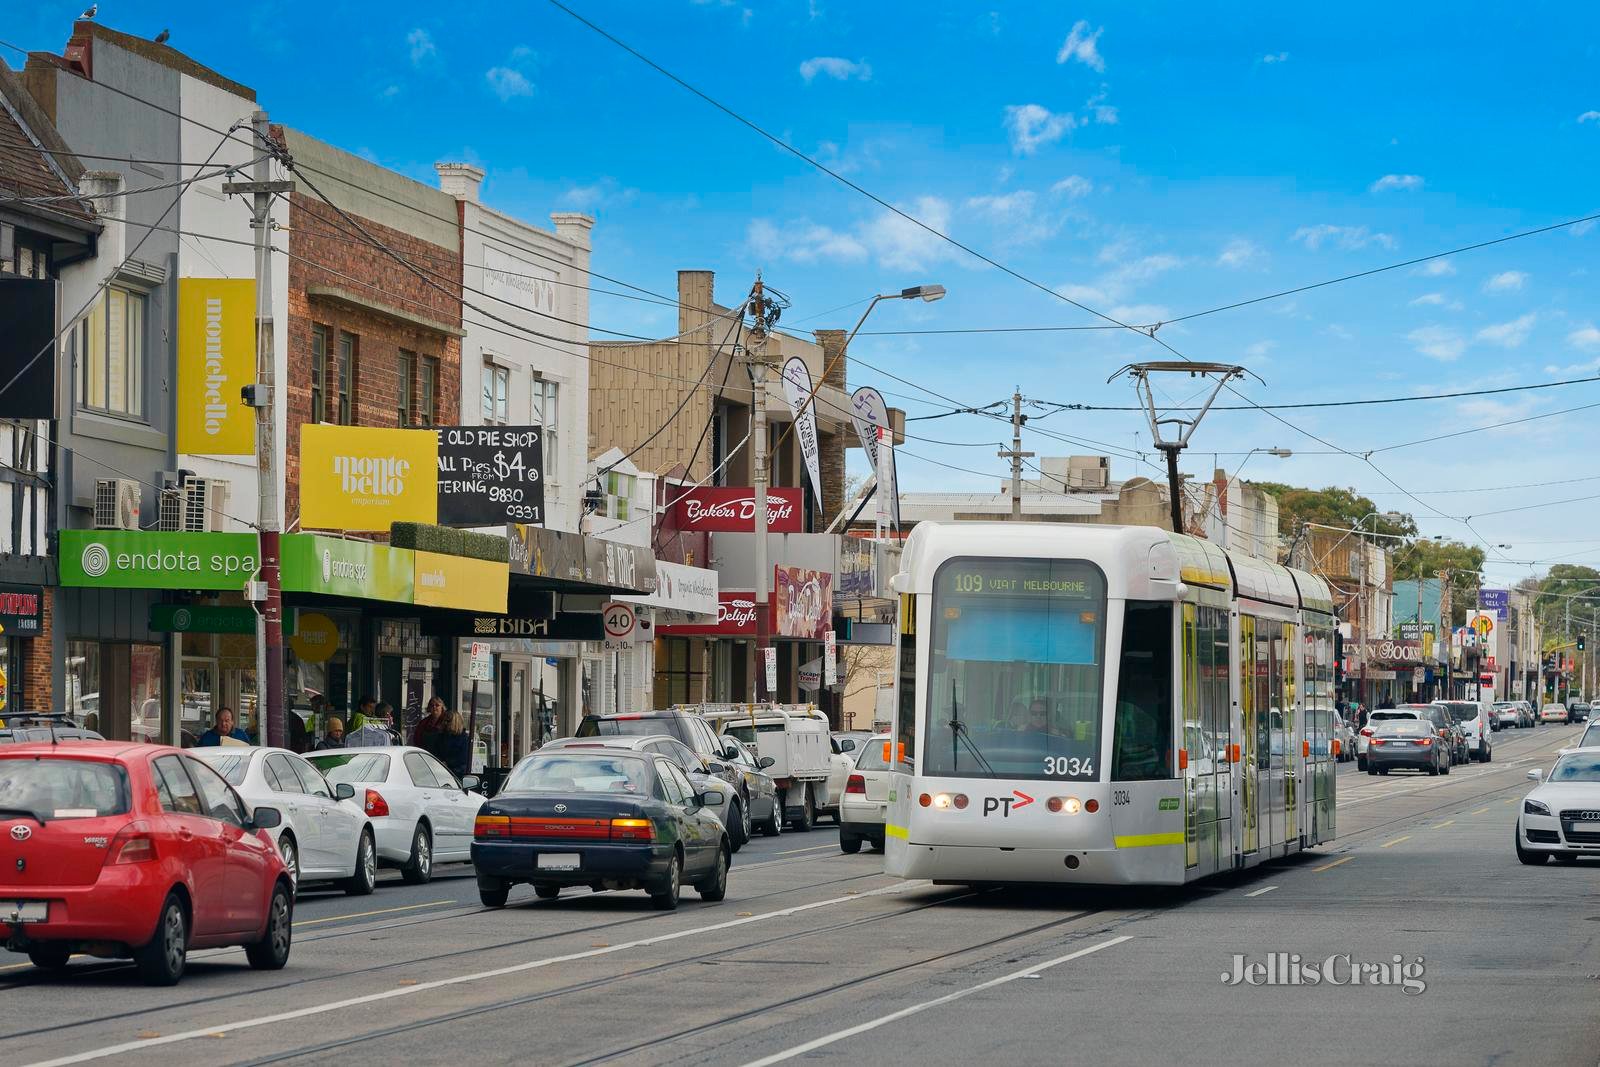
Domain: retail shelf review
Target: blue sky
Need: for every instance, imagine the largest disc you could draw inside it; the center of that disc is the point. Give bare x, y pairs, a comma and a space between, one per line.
1148, 163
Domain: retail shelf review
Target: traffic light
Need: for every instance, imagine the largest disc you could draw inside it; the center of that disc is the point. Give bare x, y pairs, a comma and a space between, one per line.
1580, 642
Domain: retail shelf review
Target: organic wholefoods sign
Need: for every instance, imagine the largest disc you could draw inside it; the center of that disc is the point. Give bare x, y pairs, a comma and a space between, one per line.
135, 559
363, 478
333, 566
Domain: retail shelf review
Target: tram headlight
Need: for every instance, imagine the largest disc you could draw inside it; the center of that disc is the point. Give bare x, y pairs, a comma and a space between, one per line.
1067, 805
960, 800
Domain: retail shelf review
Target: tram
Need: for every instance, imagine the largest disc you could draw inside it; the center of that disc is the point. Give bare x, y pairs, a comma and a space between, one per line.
1091, 704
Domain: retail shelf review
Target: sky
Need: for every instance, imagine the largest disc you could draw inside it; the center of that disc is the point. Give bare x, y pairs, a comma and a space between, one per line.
1147, 164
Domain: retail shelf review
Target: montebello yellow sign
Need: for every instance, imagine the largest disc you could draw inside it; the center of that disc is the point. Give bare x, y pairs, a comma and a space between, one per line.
364, 478
216, 360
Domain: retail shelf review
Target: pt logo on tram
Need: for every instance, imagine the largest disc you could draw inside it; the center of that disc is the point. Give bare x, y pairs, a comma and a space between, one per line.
1005, 805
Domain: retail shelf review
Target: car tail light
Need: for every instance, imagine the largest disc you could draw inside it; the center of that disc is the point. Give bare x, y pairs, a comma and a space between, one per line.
492, 826
1424, 741
1379, 741
133, 844
856, 784
633, 830
375, 805
1366, 731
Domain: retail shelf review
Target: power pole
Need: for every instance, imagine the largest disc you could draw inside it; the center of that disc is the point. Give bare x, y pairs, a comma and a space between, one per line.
271, 712
756, 364
1016, 455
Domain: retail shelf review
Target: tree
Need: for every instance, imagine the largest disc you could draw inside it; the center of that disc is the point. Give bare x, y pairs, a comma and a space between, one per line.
1565, 591
1424, 559
1333, 506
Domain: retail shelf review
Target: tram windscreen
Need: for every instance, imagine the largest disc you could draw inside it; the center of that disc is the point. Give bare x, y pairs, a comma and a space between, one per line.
1014, 684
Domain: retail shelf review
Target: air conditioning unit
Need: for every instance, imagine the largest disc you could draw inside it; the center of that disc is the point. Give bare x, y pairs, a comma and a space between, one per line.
170, 505
1088, 472
116, 504
204, 501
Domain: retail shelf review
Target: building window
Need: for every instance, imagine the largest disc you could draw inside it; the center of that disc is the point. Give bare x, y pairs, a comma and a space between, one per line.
496, 395
619, 494
113, 354
679, 679
408, 387
545, 407
346, 382
427, 408
319, 374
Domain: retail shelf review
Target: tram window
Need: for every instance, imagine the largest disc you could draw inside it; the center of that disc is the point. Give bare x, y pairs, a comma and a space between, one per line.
1014, 680
1142, 747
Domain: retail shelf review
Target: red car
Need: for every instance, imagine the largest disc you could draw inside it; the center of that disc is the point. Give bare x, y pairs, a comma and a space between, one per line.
123, 850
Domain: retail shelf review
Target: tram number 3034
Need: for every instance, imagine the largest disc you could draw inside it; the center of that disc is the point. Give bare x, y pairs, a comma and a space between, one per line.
1070, 766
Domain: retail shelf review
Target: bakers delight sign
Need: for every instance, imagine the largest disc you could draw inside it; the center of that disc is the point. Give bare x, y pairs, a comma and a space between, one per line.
724, 509
736, 617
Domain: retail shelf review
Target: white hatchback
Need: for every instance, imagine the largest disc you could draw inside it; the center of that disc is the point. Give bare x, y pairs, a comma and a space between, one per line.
421, 814
324, 835
863, 809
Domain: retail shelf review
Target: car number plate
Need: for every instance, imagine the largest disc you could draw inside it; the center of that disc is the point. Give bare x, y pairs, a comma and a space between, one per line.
558, 861
24, 911
1586, 827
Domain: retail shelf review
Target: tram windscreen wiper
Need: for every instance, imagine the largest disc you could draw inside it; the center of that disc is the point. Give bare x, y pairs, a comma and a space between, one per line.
958, 734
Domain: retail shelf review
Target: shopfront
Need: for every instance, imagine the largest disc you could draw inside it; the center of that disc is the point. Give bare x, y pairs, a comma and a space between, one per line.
21, 624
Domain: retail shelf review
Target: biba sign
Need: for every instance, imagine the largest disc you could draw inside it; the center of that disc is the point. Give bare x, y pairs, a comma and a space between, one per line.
721, 509
216, 360
363, 478
736, 617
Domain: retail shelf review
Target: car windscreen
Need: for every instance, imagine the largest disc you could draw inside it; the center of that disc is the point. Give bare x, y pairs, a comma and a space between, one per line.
559, 772
232, 766
871, 758
1462, 712
1577, 767
351, 767
1404, 728
51, 788
627, 727
1391, 714
1591, 736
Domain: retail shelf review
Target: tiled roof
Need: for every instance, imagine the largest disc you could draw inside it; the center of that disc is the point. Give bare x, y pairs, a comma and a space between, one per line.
26, 170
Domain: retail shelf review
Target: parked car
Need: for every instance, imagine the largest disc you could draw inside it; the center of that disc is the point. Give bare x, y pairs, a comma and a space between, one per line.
1553, 713
1413, 743
1561, 817
1590, 738
324, 836
864, 808
850, 741
1470, 719
605, 818
766, 810
805, 768
1374, 717
135, 851
734, 810
1578, 711
686, 726
1444, 726
421, 814
1345, 734
1507, 713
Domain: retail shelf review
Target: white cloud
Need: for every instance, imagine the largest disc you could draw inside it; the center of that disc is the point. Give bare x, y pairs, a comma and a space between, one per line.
1259, 350
1437, 342
603, 193
1275, 57
1589, 116
507, 83
1437, 300
898, 243
888, 239
422, 46
1508, 334
1349, 238
389, 92
1016, 215
1436, 268
1128, 271
836, 68
803, 242
1397, 181
1239, 253
1507, 281
1102, 112
1141, 314
1073, 187
1083, 46
1586, 337
1032, 127
1582, 228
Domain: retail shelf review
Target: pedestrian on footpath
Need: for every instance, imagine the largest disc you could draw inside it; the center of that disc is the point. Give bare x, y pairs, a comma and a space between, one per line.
335, 737
456, 747
428, 732
365, 711
223, 727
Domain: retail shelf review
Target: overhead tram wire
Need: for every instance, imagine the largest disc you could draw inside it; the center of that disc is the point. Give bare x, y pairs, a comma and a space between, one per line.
1341, 403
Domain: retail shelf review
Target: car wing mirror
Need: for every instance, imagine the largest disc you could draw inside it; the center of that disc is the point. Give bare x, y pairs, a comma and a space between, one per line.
344, 791
766, 761
470, 783
1536, 775
709, 799
266, 819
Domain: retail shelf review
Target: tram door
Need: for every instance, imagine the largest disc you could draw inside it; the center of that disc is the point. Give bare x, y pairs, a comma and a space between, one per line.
1247, 764
1293, 730
1272, 742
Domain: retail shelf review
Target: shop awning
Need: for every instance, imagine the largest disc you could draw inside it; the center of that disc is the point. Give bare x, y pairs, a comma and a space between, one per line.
575, 563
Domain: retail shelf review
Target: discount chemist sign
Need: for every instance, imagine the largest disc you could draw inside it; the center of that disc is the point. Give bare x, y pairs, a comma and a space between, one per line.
135, 559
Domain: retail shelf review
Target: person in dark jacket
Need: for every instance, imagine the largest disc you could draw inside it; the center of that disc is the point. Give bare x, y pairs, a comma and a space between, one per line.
222, 728
431, 728
455, 749
335, 736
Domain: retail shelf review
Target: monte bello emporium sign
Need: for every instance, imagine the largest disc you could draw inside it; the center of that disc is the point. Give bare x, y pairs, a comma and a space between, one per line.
139, 559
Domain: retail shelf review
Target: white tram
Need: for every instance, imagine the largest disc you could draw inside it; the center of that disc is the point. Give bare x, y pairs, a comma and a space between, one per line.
1105, 704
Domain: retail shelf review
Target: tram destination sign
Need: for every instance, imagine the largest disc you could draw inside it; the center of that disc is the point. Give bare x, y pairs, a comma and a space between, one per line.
491, 475
996, 580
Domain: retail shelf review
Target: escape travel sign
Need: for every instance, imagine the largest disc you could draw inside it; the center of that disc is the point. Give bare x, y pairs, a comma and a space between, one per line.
491, 475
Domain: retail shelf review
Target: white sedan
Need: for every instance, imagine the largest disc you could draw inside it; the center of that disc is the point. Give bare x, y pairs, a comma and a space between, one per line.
1561, 817
420, 812
1553, 713
324, 835
863, 809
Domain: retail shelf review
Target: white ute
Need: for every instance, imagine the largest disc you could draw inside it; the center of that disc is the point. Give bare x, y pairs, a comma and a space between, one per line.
796, 737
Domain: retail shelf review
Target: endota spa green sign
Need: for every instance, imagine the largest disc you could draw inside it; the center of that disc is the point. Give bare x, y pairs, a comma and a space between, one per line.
138, 559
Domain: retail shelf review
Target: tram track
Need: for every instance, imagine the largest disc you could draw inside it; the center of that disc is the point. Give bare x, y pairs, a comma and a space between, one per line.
700, 958
113, 966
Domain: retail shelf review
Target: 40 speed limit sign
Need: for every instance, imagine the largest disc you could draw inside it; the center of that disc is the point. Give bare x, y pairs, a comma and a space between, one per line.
620, 625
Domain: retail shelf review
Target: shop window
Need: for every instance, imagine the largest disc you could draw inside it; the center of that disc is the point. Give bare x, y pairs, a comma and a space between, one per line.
111, 354
406, 409
116, 689
496, 395
345, 383
319, 373
680, 677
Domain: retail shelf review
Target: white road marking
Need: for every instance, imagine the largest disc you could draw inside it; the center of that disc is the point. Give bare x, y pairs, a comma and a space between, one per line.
229, 1026
1258, 892
1026, 972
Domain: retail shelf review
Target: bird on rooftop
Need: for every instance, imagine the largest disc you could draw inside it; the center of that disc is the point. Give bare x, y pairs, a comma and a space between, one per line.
163, 36
89, 14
